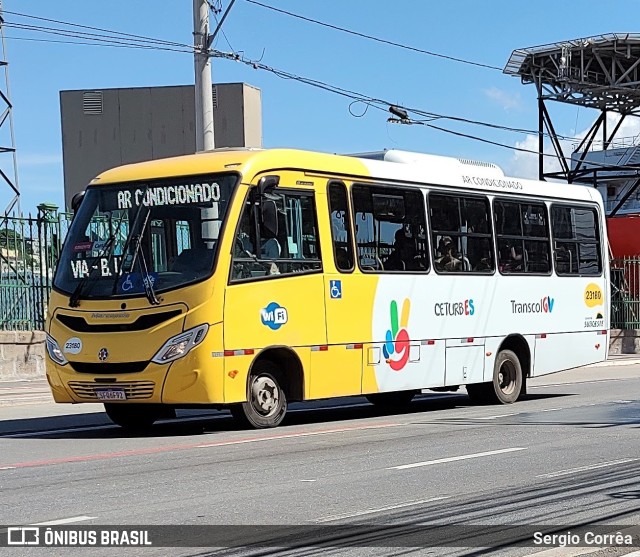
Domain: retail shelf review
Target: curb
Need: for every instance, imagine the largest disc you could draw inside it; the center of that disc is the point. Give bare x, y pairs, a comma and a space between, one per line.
617, 362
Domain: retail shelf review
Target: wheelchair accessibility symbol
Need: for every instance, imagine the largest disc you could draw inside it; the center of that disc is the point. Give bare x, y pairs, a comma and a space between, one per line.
335, 289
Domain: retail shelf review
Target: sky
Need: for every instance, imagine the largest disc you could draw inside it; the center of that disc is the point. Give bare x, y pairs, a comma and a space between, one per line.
297, 115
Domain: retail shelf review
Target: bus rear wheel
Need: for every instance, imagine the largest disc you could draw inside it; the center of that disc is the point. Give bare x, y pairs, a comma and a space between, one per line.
506, 386
395, 400
133, 416
266, 404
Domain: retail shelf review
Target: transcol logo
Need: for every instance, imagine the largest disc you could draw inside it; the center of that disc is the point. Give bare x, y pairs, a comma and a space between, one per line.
545, 305
274, 316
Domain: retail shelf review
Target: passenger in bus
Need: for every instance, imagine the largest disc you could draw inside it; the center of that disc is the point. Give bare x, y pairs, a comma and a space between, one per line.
510, 258
451, 261
404, 256
484, 265
270, 248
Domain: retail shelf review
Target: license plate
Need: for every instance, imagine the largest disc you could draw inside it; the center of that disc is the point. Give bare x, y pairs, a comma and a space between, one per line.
111, 394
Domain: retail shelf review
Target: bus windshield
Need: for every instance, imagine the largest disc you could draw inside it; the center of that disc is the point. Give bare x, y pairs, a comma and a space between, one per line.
144, 237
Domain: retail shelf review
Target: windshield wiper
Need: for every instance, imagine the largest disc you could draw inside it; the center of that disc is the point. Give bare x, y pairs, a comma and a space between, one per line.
127, 242
74, 299
146, 277
128, 263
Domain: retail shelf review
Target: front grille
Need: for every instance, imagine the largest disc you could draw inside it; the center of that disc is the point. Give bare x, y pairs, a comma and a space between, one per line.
79, 324
102, 368
133, 390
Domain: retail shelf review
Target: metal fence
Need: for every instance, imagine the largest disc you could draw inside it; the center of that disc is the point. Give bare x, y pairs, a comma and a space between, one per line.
625, 293
29, 250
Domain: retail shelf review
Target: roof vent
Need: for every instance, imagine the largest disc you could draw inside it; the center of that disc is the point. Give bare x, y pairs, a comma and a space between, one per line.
478, 163
92, 102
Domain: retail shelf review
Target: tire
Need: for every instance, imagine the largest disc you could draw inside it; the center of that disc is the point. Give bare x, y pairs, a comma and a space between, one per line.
133, 416
396, 400
266, 404
506, 386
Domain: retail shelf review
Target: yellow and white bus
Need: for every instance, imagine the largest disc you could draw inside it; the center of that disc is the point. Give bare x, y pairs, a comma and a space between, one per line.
248, 279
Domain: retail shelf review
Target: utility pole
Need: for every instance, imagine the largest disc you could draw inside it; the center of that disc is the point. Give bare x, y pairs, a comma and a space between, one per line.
203, 90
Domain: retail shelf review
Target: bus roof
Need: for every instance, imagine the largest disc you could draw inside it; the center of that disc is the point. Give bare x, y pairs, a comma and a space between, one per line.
389, 165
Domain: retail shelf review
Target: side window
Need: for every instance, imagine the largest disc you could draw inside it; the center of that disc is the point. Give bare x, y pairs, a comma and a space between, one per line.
292, 247
390, 228
461, 230
523, 237
576, 238
340, 227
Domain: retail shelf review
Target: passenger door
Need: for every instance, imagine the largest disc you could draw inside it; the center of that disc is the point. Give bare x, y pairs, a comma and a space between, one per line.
275, 295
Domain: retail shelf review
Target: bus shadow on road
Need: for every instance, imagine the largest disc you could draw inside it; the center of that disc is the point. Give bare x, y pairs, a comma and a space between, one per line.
191, 423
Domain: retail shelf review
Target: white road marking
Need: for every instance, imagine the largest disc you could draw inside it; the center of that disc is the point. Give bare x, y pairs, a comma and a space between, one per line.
585, 468
498, 416
308, 480
294, 435
381, 509
7, 467
60, 521
454, 458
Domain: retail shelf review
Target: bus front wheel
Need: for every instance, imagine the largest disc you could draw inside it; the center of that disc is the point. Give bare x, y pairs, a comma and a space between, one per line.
266, 403
132, 416
506, 386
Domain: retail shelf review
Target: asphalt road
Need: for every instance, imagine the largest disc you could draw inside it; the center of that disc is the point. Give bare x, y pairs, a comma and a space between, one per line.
343, 471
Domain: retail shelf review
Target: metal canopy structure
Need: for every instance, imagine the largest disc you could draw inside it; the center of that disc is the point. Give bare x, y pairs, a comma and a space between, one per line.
8, 163
602, 73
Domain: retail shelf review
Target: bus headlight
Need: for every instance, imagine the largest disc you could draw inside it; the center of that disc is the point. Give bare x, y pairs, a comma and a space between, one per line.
54, 352
179, 345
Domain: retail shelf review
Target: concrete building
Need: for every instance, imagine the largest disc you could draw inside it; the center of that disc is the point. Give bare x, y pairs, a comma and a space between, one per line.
109, 127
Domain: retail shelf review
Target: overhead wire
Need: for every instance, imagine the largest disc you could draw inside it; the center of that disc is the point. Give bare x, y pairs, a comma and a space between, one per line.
373, 38
117, 38
92, 28
107, 40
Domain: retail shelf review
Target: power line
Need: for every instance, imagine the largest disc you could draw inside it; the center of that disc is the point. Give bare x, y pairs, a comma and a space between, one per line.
110, 40
380, 104
116, 38
107, 40
82, 43
91, 28
372, 38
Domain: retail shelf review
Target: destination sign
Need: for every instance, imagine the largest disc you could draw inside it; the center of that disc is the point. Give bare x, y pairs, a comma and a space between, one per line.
169, 195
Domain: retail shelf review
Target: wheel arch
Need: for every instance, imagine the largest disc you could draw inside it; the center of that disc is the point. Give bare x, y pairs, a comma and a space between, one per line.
520, 347
290, 366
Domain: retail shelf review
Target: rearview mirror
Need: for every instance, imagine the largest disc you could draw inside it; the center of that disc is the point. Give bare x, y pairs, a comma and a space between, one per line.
76, 200
269, 217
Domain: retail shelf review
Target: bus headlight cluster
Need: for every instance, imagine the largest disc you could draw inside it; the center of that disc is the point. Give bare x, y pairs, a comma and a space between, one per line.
54, 352
179, 345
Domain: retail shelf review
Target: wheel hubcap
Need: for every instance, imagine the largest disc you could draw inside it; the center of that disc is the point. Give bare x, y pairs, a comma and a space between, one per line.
265, 395
507, 378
